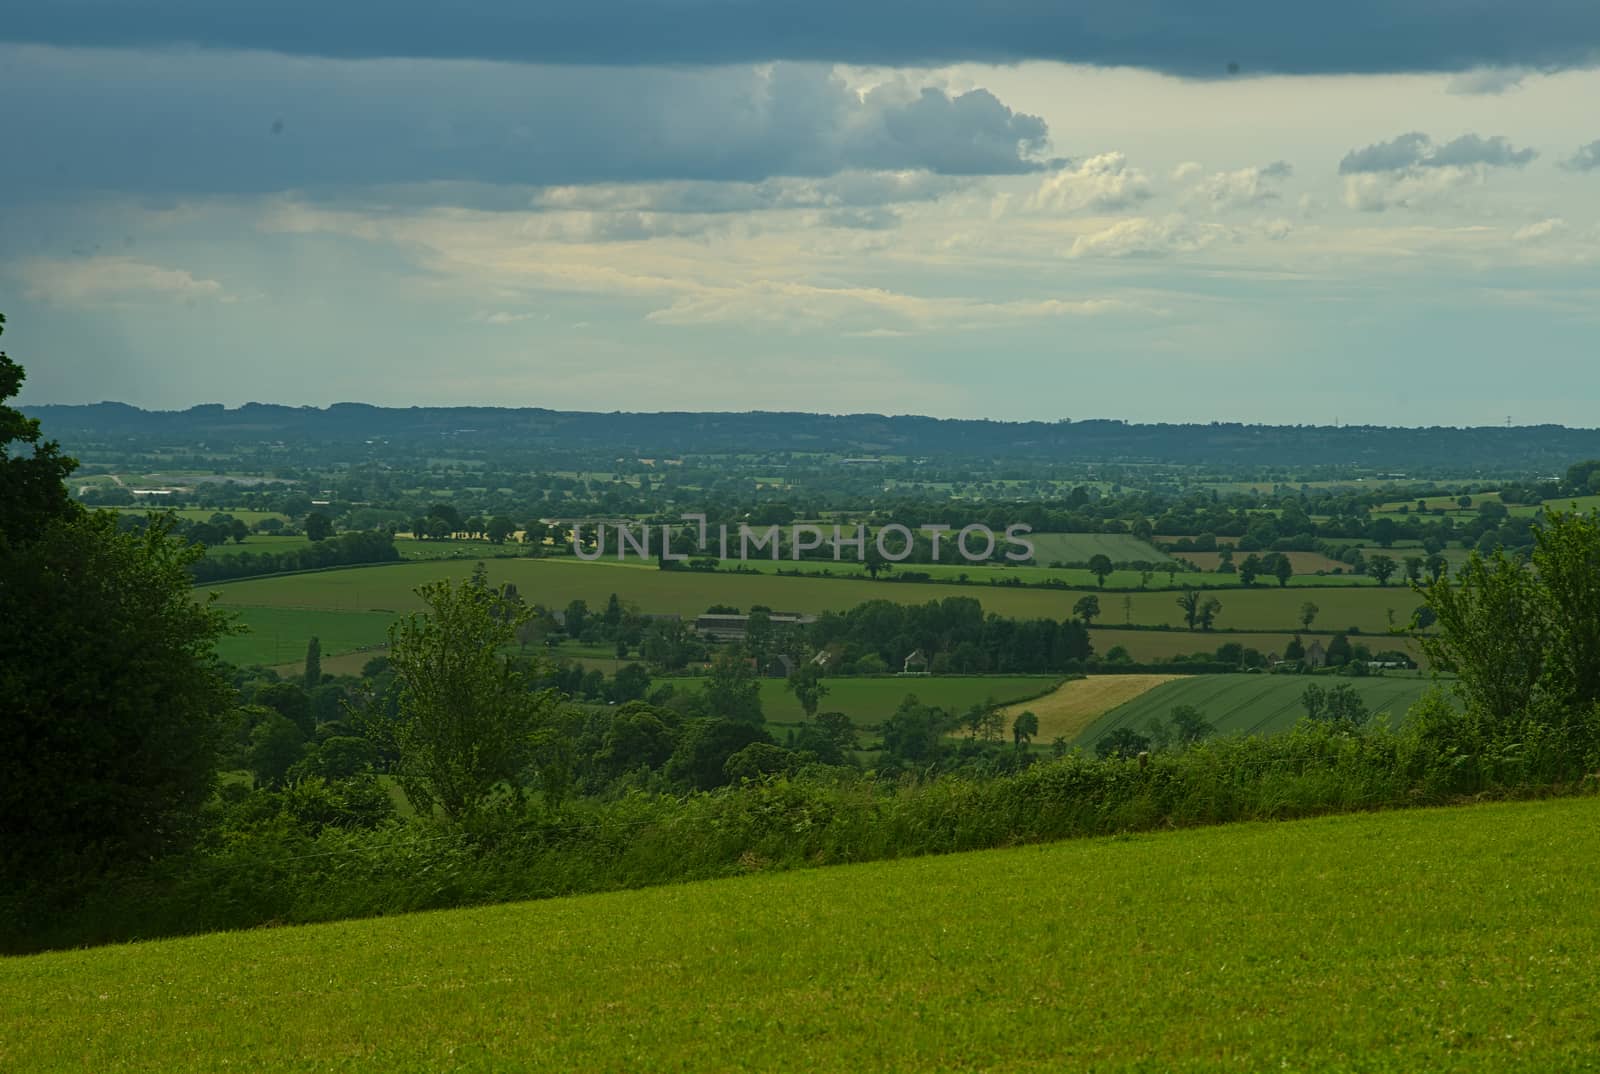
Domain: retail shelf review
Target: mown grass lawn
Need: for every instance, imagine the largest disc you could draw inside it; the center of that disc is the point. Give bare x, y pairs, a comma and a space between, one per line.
1438, 940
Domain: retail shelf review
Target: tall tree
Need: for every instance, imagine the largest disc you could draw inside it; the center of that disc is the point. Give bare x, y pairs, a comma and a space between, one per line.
468, 722
1087, 607
1282, 570
1308, 614
1382, 568
313, 675
1100, 566
110, 697
32, 492
1494, 633
1189, 600
805, 682
1024, 728
1250, 569
732, 690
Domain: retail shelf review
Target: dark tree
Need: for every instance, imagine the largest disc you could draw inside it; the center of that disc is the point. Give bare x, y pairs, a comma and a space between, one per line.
112, 697
1100, 566
1087, 608
318, 527
31, 489
1123, 742
313, 675
807, 686
1382, 568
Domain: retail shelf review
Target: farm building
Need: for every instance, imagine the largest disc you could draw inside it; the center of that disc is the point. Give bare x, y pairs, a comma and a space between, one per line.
727, 627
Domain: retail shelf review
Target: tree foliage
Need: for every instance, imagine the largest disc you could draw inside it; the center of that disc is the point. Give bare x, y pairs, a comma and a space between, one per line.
111, 693
468, 723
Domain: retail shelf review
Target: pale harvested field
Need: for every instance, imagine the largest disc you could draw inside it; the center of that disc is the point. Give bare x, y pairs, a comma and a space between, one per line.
1075, 705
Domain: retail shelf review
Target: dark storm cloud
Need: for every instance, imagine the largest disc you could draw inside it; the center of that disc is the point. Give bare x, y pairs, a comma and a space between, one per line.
1175, 36
1417, 150
206, 122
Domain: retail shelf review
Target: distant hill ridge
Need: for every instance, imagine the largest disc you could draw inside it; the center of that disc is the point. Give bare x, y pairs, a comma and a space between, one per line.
1496, 448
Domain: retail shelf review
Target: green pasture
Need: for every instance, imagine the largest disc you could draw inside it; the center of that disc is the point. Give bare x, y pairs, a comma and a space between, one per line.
256, 544
1255, 704
279, 635
1583, 504
1459, 939
203, 514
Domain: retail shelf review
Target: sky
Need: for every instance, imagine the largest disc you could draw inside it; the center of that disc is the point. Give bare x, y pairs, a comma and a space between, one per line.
1383, 213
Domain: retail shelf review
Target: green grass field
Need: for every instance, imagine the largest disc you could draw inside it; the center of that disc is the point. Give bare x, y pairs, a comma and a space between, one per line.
869, 701
203, 514
258, 543
1255, 703
1584, 504
279, 635
1458, 940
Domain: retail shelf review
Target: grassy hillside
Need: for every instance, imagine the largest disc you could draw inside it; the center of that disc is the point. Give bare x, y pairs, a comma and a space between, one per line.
1252, 704
1443, 940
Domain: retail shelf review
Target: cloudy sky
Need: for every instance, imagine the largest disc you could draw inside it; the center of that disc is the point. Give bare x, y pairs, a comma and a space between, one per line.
1388, 212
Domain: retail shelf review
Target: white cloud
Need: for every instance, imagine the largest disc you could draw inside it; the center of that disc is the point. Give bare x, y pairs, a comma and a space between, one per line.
1101, 183
500, 317
871, 312
1146, 236
1421, 188
1186, 171
1241, 189
1542, 229
1491, 81
88, 280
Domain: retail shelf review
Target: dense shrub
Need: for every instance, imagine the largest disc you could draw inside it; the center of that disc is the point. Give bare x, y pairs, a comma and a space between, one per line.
314, 852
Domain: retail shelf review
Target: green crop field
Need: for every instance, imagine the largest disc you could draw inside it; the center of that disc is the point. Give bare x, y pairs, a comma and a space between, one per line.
1256, 703
869, 701
1458, 939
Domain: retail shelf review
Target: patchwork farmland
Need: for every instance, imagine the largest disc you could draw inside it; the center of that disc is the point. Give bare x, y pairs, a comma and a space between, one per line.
386, 591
